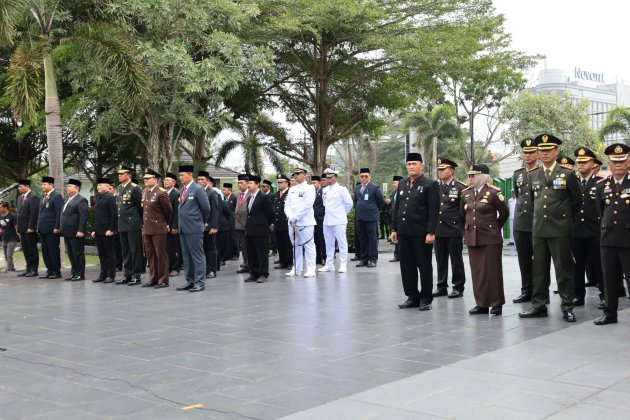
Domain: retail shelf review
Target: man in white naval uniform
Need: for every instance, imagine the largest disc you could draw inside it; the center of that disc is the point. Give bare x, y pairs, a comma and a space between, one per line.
301, 218
338, 204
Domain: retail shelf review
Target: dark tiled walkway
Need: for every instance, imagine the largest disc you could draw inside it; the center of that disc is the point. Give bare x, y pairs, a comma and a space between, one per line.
83, 350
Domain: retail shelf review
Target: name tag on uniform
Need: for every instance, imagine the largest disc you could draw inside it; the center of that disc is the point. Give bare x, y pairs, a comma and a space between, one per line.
559, 184
366, 197
483, 200
301, 194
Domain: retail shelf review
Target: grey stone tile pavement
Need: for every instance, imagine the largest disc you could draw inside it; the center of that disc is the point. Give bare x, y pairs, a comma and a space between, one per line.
327, 347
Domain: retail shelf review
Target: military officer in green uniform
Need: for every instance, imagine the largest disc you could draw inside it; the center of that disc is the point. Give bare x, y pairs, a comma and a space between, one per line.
557, 199
524, 218
613, 204
129, 201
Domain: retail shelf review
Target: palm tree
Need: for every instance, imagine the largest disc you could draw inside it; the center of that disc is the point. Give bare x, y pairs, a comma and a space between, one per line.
31, 73
438, 123
617, 122
251, 135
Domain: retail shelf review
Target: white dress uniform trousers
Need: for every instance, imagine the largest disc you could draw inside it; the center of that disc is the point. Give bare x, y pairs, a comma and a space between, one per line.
299, 211
338, 203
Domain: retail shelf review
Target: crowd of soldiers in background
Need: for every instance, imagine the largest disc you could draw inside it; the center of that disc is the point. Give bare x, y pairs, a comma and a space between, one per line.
575, 218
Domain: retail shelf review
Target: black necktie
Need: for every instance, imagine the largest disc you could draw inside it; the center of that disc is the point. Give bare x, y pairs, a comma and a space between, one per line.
584, 183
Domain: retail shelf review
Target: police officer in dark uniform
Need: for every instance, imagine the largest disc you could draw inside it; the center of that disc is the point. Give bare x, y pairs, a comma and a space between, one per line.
449, 232
320, 212
524, 218
129, 201
586, 228
557, 199
613, 202
415, 220
281, 224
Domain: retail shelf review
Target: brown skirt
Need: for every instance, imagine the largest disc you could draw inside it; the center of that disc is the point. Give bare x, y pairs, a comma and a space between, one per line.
487, 274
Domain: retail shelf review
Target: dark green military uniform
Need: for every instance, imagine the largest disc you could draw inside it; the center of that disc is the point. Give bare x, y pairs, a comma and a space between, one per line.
129, 200
523, 221
557, 200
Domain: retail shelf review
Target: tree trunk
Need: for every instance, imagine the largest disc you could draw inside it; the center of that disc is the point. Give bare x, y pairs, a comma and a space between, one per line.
53, 125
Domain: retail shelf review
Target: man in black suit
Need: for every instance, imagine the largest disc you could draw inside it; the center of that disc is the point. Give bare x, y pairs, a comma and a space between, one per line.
369, 202
281, 224
105, 224
231, 252
613, 204
48, 228
392, 202
259, 217
27, 213
320, 211
173, 246
73, 228
212, 225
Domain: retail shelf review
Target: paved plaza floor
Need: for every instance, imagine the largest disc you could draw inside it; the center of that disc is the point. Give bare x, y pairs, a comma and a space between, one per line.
336, 347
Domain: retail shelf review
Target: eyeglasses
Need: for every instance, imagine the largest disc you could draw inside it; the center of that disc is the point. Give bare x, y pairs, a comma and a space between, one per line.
364, 176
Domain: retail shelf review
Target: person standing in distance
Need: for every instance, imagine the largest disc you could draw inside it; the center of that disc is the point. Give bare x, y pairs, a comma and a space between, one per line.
194, 209
259, 218
105, 224
414, 222
27, 213
281, 225
300, 215
338, 203
73, 228
241, 220
557, 199
392, 202
613, 203
48, 222
319, 211
173, 246
449, 232
129, 200
369, 204
9, 234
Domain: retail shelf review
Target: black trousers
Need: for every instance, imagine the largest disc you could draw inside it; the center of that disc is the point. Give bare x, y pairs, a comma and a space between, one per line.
384, 230
107, 256
242, 245
368, 240
131, 248
320, 243
174, 250
223, 247
285, 249
210, 249
587, 251
416, 256
50, 252
258, 255
76, 253
445, 247
234, 249
272, 239
525, 251
616, 266
28, 243
118, 251
357, 243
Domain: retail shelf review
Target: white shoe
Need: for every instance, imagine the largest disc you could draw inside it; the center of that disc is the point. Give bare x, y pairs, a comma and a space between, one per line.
342, 270
293, 273
325, 269
309, 274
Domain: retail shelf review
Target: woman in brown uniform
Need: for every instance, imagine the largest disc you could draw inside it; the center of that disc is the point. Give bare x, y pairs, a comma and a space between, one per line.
485, 211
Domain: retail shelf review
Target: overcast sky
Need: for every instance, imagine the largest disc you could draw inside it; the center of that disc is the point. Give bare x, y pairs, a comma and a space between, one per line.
592, 35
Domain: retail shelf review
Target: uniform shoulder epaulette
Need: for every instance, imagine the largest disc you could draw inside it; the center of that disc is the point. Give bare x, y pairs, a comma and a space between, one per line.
599, 181
467, 188
519, 170
134, 185
494, 187
533, 169
162, 189
459, 183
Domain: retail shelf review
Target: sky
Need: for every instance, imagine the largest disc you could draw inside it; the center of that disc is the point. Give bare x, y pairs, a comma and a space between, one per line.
591, 35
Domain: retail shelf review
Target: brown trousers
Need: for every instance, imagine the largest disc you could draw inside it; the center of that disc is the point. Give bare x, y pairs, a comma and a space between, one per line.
487, 275
157, 257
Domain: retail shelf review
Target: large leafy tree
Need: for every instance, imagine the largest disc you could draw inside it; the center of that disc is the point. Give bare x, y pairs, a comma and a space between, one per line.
617, 123
527, 115
34, 28
339, 63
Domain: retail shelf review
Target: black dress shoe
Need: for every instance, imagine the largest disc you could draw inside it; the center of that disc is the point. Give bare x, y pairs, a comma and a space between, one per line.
78, 278
424, 306
440, 292
23, 274
70, 277
124, 280
31, 274
54, 276
109, 280
477, 310
45, 276
589, 284
568, 316
242, 270
524, 297
394, 260
578, 302
234, 259
605, 320
622, 293
355, 259
371, 264
601, 305
187, 286
211, 275
222, 263
409, 304
362, 264
160, 286
496, 310
197, 288
250, 279
534, 313
282, 267
276, 262
98, 280
455, 294
149, 284
134, 282
262, 279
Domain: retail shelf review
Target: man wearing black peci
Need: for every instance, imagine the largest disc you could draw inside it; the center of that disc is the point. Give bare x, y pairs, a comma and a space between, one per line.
74, 227
105, 224
27, 213
259, 218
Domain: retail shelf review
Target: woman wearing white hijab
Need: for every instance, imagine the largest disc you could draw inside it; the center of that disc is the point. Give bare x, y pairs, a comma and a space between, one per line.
485, 211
